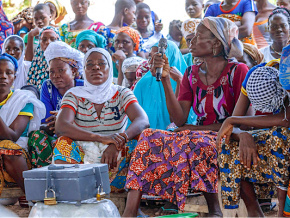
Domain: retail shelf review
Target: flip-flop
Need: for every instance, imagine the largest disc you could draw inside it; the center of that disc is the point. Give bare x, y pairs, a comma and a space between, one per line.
141, 214
169, 210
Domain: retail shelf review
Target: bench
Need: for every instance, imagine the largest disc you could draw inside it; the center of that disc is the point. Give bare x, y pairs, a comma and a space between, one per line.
14, 192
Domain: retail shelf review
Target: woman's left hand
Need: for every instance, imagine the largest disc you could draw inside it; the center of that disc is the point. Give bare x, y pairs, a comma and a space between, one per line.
51, 121
119, 55
225, 130
110, 156
175, 74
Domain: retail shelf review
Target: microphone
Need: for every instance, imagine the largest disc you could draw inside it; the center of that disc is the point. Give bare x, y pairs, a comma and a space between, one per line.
162, 45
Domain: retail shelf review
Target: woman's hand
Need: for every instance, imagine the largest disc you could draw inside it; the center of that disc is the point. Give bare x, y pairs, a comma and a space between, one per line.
116, 139
248, 150
51, 122
175, 74
34, 32
159, 62
119, 56
110, 156
225, 130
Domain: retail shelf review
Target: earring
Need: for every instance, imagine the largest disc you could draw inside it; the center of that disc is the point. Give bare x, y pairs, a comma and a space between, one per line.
214, 51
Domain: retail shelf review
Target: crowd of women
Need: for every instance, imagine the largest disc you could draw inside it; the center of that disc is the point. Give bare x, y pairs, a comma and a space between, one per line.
85, 92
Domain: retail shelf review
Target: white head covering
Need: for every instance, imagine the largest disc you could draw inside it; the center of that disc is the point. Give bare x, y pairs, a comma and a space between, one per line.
59, 49
21, 74
15, 104
97, 94
131, 64
188, 27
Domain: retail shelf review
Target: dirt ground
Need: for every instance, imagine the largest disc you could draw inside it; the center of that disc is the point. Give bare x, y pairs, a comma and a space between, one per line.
149, 210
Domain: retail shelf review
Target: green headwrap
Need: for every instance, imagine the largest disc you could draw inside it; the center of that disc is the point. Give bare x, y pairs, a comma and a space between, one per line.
97, 39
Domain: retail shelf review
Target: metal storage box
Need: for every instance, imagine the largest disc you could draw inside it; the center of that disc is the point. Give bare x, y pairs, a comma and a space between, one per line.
70, 182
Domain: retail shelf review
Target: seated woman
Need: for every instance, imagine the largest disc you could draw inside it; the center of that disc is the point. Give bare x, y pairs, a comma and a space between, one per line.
65, 65
127, 42
279, 21
166, 163
69, 31
20, 113
129, 70
88, 39
14, 45
255, 163
39, 71
93, 119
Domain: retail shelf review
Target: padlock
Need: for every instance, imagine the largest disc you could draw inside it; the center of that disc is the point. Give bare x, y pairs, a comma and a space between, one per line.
50, 201
100, 195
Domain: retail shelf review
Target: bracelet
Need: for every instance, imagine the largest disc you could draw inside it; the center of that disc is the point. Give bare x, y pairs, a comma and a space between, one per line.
237, 130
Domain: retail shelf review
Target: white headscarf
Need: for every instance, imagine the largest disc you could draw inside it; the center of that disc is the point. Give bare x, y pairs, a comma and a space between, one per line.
60, 49
15, 104
131, 64
23, 66
97, 94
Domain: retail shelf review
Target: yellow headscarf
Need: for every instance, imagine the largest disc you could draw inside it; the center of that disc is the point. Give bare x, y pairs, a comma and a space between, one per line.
254, 53
60, 10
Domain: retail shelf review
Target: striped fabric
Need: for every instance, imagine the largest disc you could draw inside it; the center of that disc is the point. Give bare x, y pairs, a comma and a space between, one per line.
113, 117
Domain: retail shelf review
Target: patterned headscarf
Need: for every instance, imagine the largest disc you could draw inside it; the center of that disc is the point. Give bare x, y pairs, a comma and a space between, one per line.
284, 75
264, 90
60, 10
188, 27
134, 35
227, 32
98, 40
62, 51
131, 64
26, 14
254, 53
38, 71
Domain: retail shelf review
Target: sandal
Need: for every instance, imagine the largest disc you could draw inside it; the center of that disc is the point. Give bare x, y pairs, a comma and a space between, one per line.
172, 211
141, 214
